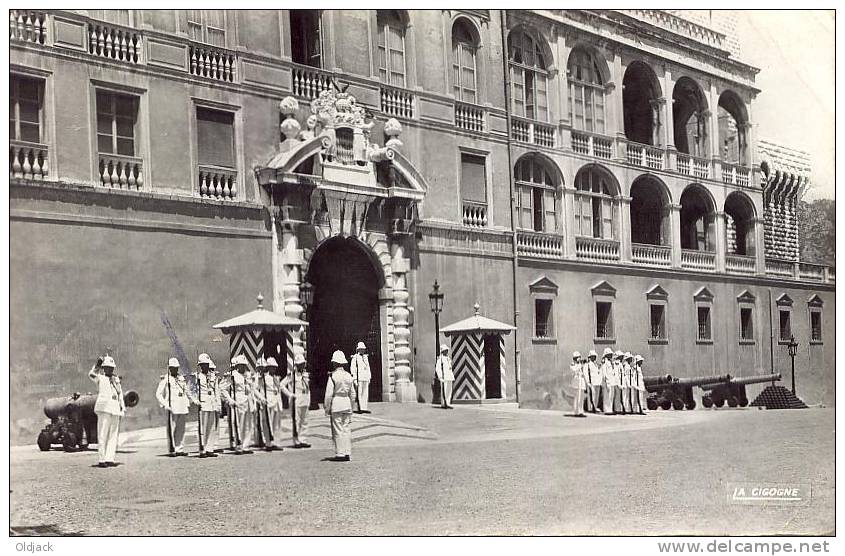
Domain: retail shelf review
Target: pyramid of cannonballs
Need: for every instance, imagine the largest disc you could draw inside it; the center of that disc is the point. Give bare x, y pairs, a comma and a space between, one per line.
778, 397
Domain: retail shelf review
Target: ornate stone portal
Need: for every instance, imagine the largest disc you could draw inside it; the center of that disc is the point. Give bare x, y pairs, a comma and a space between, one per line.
329, 179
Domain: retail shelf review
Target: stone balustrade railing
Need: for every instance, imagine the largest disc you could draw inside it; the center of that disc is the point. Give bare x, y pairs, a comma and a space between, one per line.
666, 20
28, 26
782, 269
693, 166
469, 116
698, 260
592, 145
597, 250
397, 102
308, 82
811, 272
740, 264
121, 172
733, 174
115, 43
212, 62
540, 245
530, 131
28, 161
651, 255
474, 214
218, 183
646, 156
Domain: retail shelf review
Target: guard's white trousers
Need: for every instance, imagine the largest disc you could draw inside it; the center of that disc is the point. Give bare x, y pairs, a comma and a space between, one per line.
617, 399
266, 431
363, 394
342, 433
209, 430
276, 416
607, 394
300, 430
107, 427
626, 399
643, 405
594, 390
447, 391
578, 403
246, 428
177, 427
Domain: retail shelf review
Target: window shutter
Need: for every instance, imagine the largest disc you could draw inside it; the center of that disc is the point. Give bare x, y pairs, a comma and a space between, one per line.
550, 210
473, 178
215, 138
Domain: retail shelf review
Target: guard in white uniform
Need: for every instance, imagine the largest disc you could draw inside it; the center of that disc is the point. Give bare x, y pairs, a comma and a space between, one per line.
235, 394
641, 392
268, 389
109, 408
617, 385
360, 368
207, 399
579, 384
443, 370
297, 389
172, 395
594, 377
608, 373
625, 382
338, 405
215, 379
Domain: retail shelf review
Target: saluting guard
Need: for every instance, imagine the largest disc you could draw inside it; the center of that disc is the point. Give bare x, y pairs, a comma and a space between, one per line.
109, 408
297, 389
608, 380
172, 395
443, 370
207, 400
579, 384
338, 406
236, 396
360, 367
594, 378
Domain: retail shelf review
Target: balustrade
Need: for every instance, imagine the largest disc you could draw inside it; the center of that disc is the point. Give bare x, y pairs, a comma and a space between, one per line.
592, 145
808, 271
740, 264
693, 166
784, 269
28, 160
218, 183
28, 26
698, 260
594, 249
535, 244
651, 255
397, 102
646, 156
212, 62
114, 43
308, 82
474, 214
121, 172
469, 116
733, 174
536, 133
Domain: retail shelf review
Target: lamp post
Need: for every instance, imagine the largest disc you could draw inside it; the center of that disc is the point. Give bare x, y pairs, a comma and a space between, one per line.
436, 299
792, 346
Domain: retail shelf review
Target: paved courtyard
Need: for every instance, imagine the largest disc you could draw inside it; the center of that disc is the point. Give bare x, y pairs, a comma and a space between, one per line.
417, 470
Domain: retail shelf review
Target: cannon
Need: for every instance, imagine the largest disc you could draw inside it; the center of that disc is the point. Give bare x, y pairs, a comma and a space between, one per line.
677, 392
732, 391
73, 423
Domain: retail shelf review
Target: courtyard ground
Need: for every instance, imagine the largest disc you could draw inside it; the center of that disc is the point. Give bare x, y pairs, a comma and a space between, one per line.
419, 470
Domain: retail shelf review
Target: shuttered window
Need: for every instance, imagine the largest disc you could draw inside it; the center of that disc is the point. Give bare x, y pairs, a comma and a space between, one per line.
529, 77
391, 48
116, 118
473, 178
215, 138
596, 206
536, 196
25, 104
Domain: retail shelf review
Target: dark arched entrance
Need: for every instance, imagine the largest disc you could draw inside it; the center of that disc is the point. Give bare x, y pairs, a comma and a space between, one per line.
345, 310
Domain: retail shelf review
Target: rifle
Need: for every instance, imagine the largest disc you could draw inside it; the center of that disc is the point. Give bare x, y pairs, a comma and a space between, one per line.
233, 411
293, 405
257, 426
355, 384
170, 447
199, 414
267, 410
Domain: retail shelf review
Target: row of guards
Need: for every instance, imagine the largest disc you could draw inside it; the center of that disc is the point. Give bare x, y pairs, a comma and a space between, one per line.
477, 347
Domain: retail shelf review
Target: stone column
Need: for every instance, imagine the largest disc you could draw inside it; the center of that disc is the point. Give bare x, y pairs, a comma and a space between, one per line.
721, 240
625, 229
569, 223
406, 391
668, 113
617, 124
759, 250
287, 274
675, 233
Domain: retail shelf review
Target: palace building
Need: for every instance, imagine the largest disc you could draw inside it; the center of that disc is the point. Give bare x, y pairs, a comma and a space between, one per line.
592, 178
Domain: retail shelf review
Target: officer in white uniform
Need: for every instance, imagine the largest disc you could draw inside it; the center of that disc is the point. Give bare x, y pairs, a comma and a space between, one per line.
594, 376
338, 405
443, 370
297, 389
268, 389
235, 394
215, 378
608, 380
579, 384
360, 368
109, 408
207, 399
640, 381
255, 403
625, 383
172, 395
617, 386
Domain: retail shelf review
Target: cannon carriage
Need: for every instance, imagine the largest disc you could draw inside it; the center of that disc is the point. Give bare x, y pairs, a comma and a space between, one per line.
73, 423
732, 391
667, 392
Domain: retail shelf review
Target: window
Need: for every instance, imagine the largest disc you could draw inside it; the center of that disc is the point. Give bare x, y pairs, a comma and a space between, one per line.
536, 196
208, 26
586, 93
305, 39
463, 62
785, 327
596, 206
391, 48
215, 138
529, 77
704, 330
543, 318
26, 100
604, 319
116, 118
473, 178
816, 326
657, 318
746, 323
119, 17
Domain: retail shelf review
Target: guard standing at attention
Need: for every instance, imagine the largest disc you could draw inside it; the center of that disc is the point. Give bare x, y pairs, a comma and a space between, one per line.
207, 400
215, 379
360, 367
640, 381
235, 394
109, 408
608, 373
172, 395
625, 383
579, 384
443, 370
617, 385
268, 402
594, 379
338, 406
297, 389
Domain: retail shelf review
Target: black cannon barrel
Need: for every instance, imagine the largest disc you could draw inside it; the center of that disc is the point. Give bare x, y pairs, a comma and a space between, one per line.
656, 380
756, 379
702, 380
82, 403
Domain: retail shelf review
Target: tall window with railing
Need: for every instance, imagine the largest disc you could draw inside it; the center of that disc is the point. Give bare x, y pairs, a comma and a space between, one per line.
208, 26
596, 204
116, 118
464, 71
391, 48
536, 195
529, 77
305, 38
26, 101
586, 92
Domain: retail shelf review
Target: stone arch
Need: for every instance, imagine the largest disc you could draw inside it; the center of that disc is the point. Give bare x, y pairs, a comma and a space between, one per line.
698, 217
733, 127
740, 220
599, 62
641, 95
690, 114
650, 201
